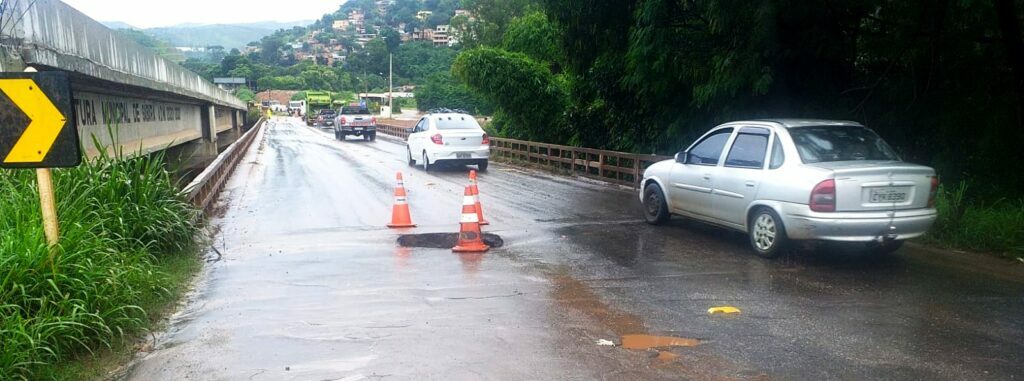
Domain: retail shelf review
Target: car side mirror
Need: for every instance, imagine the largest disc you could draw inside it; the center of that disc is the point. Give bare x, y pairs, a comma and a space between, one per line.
681, 157
410, 130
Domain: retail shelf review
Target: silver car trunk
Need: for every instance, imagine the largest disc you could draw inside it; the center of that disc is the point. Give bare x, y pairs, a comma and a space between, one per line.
879, 185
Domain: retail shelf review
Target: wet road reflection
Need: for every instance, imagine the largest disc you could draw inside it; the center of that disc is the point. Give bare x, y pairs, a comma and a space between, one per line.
313, 286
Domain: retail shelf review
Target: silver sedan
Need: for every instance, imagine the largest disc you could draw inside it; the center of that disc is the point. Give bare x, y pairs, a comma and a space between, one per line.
786, 179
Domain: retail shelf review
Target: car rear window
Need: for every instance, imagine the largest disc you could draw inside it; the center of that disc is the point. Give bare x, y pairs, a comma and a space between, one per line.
327, 112
457, 122
822, 144
354, 111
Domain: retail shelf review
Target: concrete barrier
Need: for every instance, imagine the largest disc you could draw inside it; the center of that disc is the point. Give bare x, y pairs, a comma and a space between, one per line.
203, 190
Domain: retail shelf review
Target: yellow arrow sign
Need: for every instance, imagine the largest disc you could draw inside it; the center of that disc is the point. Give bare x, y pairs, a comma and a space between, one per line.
46, 121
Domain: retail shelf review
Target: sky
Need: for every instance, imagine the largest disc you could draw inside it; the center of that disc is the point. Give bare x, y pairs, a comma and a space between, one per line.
155, 13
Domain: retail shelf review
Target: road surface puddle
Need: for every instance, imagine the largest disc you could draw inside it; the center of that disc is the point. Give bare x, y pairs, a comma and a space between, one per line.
651, 341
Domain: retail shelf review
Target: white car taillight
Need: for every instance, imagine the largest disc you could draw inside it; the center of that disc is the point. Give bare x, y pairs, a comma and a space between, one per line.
823, 197
437, 139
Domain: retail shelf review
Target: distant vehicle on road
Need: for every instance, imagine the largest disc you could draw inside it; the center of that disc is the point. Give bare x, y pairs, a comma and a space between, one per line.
297, 107
355, 120
788, 179
448, 137
316, 101
325, 118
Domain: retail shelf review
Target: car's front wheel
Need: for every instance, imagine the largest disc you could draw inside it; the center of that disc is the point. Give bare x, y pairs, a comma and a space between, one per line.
408, 153
767, 234
655, 206
426, 163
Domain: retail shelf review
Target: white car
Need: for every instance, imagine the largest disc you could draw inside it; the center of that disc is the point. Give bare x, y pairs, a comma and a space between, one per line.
450, 138
788, 179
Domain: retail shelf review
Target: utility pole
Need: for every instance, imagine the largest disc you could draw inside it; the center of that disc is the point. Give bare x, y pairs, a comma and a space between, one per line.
391, 89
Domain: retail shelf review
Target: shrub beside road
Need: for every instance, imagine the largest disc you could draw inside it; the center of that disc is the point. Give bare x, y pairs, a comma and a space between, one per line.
996, 227
127, 247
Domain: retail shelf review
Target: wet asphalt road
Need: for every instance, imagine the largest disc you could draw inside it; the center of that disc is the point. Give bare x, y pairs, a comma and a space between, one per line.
312, 287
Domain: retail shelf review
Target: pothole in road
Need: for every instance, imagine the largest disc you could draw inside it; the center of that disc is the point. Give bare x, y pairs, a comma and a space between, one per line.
443, 240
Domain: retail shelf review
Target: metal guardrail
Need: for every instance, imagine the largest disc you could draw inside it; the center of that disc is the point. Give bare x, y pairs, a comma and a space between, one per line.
612, 166
393, 130
203, 190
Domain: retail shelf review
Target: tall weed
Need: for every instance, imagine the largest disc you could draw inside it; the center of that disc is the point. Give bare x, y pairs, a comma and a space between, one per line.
996, 226
116, 215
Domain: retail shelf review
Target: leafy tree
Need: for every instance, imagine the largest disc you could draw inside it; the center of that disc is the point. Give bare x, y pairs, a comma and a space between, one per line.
415, 61
245, 94
442, 91
270, 50
493, 18
651, 74
372, 59
535, 36
532, 100
392, 39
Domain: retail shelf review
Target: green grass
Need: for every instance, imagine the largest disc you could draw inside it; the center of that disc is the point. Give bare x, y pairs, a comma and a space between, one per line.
179, 271
996, 226
124, 226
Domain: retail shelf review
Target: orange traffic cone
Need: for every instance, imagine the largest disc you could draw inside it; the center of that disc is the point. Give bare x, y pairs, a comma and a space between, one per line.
400, 217
476, 196
470, 240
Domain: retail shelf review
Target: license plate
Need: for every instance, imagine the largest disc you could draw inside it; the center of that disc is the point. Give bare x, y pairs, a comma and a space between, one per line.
462, 155
888, 195
358, 128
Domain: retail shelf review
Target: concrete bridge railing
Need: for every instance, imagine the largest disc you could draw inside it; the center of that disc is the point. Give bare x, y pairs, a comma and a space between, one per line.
151, 103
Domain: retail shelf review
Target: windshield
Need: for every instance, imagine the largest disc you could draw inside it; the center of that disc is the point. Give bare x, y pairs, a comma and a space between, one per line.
354, 111
820, 144
457, 122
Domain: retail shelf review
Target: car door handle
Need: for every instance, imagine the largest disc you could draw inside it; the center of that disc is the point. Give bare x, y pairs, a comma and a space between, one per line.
751, 184
707, 176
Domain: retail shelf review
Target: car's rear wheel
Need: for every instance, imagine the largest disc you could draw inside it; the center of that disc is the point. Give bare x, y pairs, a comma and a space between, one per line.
373, 136
482, 166
655, 206
426, 163
767, 234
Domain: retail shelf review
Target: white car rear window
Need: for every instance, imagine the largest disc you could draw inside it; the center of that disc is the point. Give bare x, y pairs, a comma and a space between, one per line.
457, 122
